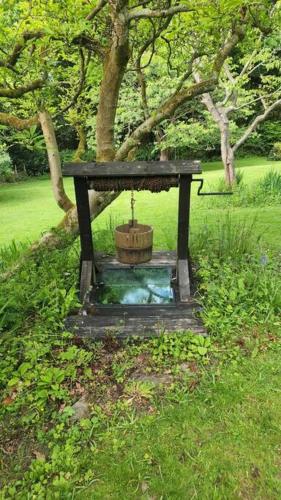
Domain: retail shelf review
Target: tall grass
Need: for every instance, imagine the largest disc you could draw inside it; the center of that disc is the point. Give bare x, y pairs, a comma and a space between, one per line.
222, 187
271, 184
227, 239
267, 191
10, 254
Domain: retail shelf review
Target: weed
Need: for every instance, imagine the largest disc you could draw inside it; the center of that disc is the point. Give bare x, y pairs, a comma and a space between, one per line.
240, 294
10, 254
179, 347
104, 238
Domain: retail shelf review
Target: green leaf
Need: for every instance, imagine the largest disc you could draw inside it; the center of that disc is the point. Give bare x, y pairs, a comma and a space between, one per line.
202, 350
13, 381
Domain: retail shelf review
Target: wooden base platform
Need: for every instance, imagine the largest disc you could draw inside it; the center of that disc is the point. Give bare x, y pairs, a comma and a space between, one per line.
97, 321
134, 321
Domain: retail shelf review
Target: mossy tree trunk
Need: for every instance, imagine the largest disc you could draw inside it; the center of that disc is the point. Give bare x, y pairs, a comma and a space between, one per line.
82, 144
54, 161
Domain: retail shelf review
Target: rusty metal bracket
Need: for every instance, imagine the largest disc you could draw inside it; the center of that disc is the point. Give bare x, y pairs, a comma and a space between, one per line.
227, 193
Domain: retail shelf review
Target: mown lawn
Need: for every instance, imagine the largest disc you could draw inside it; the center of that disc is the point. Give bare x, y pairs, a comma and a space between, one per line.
223, 442
28, 209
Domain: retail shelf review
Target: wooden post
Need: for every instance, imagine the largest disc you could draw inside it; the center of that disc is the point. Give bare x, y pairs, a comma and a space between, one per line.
183, 218
183, 237
87, 271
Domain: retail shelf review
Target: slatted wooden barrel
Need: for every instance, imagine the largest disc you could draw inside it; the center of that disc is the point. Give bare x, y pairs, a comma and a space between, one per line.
134, 243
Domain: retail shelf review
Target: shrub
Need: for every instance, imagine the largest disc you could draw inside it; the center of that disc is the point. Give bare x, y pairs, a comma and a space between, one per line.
29, 162
275, 153
262, 141
6, 171
34, 162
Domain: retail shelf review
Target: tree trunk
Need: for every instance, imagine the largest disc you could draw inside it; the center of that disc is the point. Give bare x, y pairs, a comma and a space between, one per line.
164, 154
54, 161
227, 153
114, 67
67, 230
82, 145
220, 116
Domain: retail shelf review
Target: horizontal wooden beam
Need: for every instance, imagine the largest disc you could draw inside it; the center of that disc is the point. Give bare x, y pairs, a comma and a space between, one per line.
98, 328
132, 169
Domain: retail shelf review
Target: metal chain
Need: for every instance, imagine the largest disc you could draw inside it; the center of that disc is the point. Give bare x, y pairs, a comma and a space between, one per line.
133, 201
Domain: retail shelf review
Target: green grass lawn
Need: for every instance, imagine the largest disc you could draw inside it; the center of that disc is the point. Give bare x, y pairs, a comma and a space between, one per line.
28, 208
223, 442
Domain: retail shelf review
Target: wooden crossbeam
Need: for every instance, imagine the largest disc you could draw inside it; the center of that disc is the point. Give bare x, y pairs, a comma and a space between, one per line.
132, 168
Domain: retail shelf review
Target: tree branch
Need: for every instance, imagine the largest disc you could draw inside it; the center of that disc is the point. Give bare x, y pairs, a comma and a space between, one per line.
168, 108
18, 92
188, 72
19, 47
54, 161
18, 123
235, 36
96, 10
260, 98
89, 43
163, 112
208, 101
83, 70
148, 13
252, 127
5, 64
140, 68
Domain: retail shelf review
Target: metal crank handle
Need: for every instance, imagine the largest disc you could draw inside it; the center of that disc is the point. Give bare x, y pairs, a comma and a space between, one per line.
227, 193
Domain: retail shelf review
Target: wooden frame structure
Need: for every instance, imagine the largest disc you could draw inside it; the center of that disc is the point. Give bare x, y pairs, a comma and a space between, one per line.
156, 176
